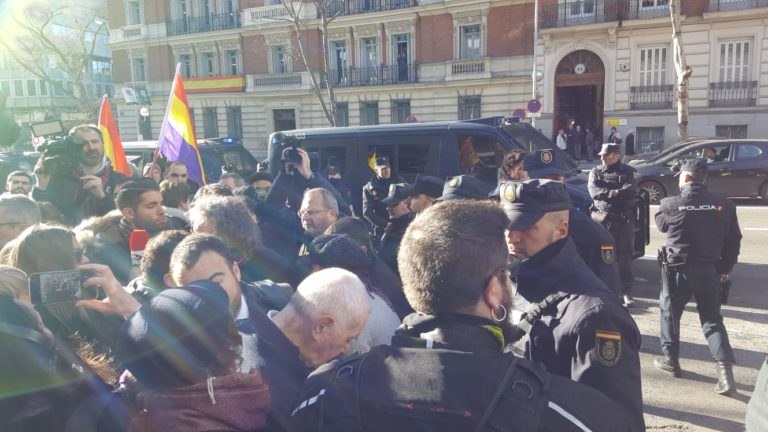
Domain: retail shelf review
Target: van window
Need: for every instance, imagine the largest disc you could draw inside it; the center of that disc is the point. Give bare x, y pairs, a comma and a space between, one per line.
321, 157
480, 156
407, 160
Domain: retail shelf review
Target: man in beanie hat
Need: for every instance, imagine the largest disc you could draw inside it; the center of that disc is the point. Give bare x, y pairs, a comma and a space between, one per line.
399, 218
374, 211
703, 242
574, 324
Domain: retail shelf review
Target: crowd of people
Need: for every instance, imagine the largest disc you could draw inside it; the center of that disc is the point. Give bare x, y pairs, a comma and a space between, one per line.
265, 303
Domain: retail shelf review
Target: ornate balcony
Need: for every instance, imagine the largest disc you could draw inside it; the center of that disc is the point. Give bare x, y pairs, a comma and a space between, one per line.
732, 5
202, 24
584, 12
651, 97
354, 7
733, 94
375, 75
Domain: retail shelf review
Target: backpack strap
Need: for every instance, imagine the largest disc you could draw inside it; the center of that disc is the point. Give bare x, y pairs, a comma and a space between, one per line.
520, 399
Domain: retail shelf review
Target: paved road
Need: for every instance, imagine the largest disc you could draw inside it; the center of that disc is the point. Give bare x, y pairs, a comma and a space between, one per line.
689, 403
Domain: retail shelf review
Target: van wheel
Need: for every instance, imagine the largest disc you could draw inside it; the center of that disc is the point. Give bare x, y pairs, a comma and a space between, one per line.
655, 191
764, 192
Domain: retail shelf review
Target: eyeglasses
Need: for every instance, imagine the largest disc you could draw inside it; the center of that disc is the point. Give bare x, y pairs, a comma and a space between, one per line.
311, 212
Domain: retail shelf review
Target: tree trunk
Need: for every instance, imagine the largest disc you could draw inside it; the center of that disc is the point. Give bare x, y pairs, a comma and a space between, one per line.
682, 70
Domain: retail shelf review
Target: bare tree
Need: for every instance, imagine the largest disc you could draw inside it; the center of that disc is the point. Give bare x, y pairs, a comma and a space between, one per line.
322, 85
58, 55
682, 70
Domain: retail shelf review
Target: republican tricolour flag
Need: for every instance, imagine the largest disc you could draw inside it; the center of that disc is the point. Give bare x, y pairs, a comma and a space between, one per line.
177, 135
113, 146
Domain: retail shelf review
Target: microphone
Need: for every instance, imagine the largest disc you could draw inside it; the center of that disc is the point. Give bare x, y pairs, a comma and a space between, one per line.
136, 243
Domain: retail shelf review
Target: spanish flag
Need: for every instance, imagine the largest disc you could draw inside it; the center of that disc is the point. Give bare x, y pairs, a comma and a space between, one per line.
177, 134
372, 160
113, 146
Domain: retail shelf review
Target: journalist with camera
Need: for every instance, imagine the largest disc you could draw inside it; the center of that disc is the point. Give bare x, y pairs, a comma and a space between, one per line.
74, 175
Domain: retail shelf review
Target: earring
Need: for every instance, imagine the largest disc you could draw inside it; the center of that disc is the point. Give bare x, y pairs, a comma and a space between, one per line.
503, 316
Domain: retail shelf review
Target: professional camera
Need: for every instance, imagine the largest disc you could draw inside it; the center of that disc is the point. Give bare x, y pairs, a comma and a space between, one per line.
61, 157
289, 145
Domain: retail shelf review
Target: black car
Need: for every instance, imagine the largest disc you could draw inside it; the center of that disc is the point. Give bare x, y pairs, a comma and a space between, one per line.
737, 168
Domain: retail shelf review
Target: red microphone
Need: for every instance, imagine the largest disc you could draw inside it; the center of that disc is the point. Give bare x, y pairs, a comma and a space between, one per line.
136, 243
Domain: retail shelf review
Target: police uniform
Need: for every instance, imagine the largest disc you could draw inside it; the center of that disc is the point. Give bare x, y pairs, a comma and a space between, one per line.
594, 243
574, 324
374, 211
703, 241
448, 373
464, 187
615, 213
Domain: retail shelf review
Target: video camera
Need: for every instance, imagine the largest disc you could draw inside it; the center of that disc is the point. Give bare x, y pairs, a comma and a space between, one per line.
289, 146
61, 156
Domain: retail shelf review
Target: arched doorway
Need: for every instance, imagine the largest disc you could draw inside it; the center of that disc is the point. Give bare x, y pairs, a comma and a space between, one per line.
579, 91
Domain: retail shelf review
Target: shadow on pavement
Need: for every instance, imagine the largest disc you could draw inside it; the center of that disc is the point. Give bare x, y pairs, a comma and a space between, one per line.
697, 351
702, 420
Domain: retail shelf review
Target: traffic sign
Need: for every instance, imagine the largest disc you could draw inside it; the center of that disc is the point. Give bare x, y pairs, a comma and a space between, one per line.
519, 112
534, 105
534, 115
411, 119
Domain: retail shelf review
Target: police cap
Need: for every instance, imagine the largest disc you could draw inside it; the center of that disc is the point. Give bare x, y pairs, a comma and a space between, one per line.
397, 193
545, 162
609, 148
464, 187
427, 185
381, 161
525, 203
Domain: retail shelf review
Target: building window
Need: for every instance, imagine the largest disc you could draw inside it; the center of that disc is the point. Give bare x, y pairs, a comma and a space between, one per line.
653, 66
134, 12
649, 139
210, 123
233, 62
734, 61
651, 4
731, 131
139, 69
234, 122
43, 88
18, 88
31, 88
284, 119
401, 110
208, 61
369, 113
281, 60
470, 47
186, 65
469, 107
580, 8
145, 128
342, 114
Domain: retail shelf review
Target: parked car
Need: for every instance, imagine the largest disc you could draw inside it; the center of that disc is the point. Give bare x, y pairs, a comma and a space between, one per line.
648, 157
215, 153
737, 168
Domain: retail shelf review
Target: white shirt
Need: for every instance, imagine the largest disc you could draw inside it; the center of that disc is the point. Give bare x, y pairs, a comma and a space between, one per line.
243, 313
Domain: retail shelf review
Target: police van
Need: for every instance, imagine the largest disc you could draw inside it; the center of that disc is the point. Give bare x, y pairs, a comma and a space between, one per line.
439, 149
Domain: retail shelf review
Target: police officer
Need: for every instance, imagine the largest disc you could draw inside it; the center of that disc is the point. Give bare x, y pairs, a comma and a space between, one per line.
400, 217
446, 369
575, 325
594, 242
612, 187
423, 192
703, 241
376, 190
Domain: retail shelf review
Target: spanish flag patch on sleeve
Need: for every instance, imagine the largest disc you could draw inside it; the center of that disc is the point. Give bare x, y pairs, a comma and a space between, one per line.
607, 347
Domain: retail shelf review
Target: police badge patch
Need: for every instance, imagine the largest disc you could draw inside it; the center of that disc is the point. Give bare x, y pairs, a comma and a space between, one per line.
607, 347
510, 194
546, 156
453, 182
606, 251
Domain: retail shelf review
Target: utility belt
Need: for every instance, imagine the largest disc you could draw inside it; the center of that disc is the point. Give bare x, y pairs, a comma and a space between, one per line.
600, 217
668, 258
670, 261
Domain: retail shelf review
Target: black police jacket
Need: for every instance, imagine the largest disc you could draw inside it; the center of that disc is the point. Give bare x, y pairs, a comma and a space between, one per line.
374, 211
447, 374
596, 247
604, 179
587, 336
701, 226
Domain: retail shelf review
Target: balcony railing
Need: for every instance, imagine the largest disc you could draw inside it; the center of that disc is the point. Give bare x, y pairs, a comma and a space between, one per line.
732, 5
375, 75
278, 81
598, 11
203, 24
353, 7
733, 94
651, 97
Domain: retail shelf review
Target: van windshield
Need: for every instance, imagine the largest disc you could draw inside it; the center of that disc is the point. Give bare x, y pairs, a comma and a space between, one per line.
480, 156
527, 136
